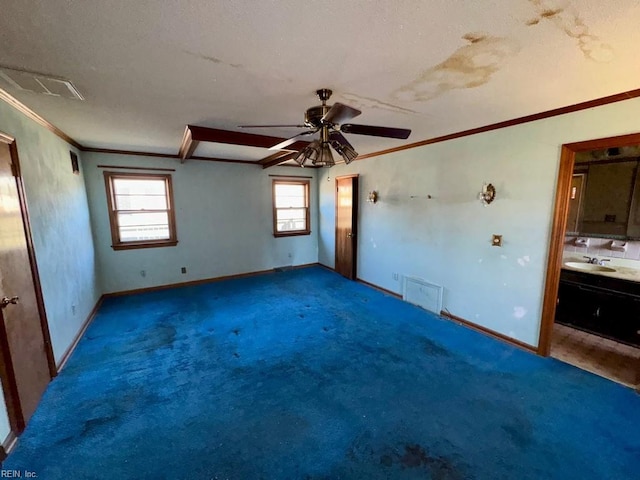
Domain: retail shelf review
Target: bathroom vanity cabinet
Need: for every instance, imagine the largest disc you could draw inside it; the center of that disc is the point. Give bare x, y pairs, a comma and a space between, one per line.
605, 306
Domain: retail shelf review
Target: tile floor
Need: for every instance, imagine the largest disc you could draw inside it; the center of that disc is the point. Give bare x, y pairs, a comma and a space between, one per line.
604, 357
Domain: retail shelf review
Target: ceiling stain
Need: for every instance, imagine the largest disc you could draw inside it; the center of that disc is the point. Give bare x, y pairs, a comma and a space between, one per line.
549, 13
211, 59
372, 103
469, 66
474, 37
592, 47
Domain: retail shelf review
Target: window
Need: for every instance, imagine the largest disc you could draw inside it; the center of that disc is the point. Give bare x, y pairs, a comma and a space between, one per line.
140, 210
291, 208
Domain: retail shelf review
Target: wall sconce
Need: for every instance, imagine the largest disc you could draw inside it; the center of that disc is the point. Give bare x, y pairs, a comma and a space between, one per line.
488, 194
372, 197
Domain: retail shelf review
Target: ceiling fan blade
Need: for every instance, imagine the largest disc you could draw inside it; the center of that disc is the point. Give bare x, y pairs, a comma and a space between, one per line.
340, 113
271, 126
376, 131
289, 141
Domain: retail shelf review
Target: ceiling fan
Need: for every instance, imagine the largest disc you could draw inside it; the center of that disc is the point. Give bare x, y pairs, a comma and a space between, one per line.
328, 120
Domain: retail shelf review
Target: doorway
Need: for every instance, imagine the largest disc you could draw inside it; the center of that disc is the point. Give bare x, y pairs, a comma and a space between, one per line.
555, 336
26, 358
346, 225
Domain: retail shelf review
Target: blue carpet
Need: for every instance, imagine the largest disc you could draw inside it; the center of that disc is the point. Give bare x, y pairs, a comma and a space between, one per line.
306, 375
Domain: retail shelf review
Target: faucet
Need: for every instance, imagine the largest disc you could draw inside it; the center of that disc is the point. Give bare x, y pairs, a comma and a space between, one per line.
595, 261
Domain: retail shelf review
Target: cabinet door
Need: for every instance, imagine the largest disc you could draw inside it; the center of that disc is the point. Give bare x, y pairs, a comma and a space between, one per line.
628, 321
576, 306
599, 312
588, 309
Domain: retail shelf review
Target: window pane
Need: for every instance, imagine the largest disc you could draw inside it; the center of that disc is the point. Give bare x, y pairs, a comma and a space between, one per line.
133, 186
141, 202
143, 226
291, 220
290, 196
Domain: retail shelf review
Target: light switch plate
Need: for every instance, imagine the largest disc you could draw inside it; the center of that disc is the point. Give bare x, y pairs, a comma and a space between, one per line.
496, 241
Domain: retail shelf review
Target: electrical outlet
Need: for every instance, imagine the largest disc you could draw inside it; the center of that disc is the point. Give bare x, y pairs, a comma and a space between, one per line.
395, 276
73, 309
183, 269
143, 273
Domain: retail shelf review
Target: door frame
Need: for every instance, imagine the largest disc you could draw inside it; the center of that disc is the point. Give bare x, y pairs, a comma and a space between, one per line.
556, 242
14, 411
354, 219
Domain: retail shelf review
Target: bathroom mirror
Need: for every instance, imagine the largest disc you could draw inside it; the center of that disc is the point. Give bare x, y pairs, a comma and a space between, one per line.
604, 200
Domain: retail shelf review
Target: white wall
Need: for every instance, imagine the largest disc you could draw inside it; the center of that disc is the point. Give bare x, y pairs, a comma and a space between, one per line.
60, 224
447, 239
224, 222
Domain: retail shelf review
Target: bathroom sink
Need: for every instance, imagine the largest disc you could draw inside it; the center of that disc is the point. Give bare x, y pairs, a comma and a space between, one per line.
589, 267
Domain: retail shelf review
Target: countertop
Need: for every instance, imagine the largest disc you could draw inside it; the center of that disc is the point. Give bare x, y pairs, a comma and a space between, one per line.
625, 269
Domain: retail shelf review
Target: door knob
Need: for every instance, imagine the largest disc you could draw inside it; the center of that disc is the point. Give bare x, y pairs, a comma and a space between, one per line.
351, 235
8, 301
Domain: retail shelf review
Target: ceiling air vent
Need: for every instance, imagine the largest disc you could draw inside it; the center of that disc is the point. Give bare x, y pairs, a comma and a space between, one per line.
39, 83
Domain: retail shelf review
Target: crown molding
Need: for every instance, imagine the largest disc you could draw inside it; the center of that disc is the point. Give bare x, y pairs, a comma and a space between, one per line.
21, 107
112, 151
598, 102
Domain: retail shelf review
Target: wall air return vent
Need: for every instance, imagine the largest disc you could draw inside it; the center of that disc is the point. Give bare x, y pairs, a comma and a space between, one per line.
423, 294
38, 83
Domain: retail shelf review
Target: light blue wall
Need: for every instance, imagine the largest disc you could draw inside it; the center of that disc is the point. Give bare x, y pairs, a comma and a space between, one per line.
225, 225
224, 222
60, 224
447, 239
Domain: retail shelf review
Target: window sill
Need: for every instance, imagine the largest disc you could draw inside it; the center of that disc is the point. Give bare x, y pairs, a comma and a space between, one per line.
134, 245
292, 234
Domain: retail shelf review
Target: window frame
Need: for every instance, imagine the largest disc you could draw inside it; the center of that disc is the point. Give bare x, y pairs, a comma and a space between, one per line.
118, 244
291, 233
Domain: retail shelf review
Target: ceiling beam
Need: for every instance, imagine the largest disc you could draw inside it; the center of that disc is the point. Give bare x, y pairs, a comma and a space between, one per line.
188, 145
214, 135
194, 134
273, 156
276, 159
297, 146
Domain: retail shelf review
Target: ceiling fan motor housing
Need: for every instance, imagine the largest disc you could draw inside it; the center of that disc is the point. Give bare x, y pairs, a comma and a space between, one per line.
313, 116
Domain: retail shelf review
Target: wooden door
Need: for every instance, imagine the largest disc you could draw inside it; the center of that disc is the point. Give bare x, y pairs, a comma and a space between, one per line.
346, 225
26, 359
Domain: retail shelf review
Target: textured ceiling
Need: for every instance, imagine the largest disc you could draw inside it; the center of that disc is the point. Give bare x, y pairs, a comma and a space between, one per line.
148, 68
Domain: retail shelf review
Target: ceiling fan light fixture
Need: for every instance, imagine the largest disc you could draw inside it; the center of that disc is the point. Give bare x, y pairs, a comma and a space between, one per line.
346, 151
325, 158
310, 152
313, 151
301, 157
